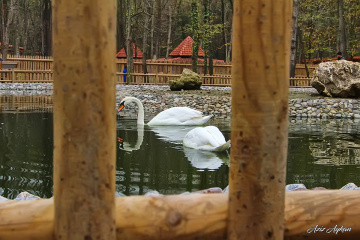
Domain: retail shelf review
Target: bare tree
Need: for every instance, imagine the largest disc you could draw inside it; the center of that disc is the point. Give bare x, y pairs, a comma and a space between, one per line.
152, 29
169, 33
46, 44
145, 34
7, 14
293, 37
342, 35
129, 44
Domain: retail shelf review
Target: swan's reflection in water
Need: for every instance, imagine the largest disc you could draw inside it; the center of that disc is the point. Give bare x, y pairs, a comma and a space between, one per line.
206, 159
171, 134
131, 146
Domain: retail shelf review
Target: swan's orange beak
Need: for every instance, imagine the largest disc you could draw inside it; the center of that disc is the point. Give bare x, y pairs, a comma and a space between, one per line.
121, 107
120, 140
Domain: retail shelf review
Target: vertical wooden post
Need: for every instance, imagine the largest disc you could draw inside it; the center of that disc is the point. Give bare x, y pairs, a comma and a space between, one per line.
84, 119
261, 47
13, 78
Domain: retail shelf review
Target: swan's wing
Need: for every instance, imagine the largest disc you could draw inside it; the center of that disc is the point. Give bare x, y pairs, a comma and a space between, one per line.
200, 138
217, 135
179, 116
206, 138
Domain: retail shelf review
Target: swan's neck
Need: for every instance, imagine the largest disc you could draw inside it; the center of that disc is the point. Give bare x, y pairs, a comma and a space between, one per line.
140, 117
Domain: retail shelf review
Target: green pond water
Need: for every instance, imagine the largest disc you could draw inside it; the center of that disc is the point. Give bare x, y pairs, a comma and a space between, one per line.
320, 153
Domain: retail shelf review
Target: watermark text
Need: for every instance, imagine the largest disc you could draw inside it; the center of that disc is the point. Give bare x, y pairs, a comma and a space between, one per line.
336, 229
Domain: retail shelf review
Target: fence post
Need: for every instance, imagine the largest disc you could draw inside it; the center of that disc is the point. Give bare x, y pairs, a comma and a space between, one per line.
13, 78
84, 119
261, 56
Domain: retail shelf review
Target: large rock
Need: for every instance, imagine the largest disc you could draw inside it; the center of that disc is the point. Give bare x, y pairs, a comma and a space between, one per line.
188, 80
337, 79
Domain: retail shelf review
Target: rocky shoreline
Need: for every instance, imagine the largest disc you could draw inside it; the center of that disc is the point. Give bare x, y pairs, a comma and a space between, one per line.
288, 188
209, 100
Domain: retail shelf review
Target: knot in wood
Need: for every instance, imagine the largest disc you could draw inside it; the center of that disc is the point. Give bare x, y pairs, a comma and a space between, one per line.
174, 218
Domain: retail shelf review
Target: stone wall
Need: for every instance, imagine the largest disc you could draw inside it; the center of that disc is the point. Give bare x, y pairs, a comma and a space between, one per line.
324, 108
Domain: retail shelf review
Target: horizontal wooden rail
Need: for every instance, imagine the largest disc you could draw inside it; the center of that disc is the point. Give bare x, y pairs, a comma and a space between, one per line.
46, 76
308, 215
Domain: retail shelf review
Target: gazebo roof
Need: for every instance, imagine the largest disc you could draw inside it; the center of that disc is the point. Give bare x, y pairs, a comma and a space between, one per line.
122, 53
184, 49
187, 60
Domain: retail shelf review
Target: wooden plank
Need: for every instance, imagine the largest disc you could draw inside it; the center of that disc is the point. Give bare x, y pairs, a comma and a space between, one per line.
84, 119
261, 54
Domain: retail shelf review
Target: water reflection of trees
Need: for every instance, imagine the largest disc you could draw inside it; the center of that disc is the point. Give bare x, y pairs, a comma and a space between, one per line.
334, 142
26, 145
323, 152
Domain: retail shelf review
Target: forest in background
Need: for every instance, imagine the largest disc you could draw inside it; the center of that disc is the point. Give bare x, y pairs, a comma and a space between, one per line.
321, 27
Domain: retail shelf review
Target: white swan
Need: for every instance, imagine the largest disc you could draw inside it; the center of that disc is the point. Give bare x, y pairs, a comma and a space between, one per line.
206, 138
171, 116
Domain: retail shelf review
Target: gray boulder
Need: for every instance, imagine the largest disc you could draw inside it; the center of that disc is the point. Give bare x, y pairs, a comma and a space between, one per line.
188, 80
337, 79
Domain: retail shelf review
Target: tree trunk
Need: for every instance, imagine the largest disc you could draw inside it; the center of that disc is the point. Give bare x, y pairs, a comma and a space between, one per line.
206, 38
17, 35
121, 20
342, 34
294, 37
259, 125
158, 27
195, 29
145, 36
223, 28
46, 28
129, 44
84, 119
152, 30
230, 45
26, 27
6, 21
169, 33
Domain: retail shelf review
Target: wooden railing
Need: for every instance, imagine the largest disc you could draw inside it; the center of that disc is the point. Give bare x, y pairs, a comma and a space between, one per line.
46, 76
26, 76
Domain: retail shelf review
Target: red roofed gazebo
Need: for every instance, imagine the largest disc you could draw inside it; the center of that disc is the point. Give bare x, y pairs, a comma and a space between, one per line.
184, 49
136, 53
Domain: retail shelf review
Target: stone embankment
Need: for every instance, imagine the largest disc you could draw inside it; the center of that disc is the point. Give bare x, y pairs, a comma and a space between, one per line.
288, 188
324, 108
209, 100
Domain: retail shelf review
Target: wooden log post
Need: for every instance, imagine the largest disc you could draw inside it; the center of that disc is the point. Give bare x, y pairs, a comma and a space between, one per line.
261, 47
308, 215
84, 119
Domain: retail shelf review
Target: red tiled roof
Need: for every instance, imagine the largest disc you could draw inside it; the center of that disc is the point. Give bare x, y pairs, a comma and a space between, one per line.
122, 53
184, 49
187, 60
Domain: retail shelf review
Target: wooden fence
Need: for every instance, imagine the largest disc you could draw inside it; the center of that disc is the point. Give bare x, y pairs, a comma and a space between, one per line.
40, 70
